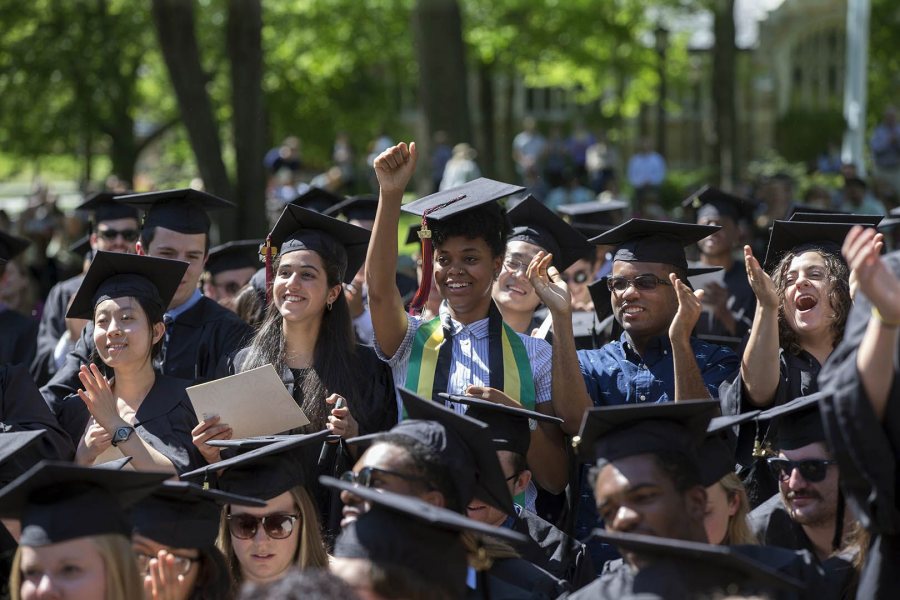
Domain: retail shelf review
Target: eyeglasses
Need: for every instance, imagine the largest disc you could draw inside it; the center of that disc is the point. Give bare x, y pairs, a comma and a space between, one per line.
183, 564
642, 283
513, 476
514, 265
365, 476
812, 470
129, 235
577, 276
277, 526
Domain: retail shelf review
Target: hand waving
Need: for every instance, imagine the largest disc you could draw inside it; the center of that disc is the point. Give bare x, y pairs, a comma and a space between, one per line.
395, 167
97, 395
548, 285
760, 282
862, 248
689, 310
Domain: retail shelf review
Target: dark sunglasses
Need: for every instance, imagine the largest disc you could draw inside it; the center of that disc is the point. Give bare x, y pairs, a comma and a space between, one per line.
812, 470
577, 276
643, 283
277, 526
129, 235
365, 475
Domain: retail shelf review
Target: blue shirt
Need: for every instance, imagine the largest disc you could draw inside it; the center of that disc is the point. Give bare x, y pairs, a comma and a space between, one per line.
174, 313
616, 374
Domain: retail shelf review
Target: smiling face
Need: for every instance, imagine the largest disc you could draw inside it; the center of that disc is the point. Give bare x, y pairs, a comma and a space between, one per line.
300, 290
187, 247
723, 240
810, 503
73, 570
807, 296
464, 270
123, 334
644, 313
115, 235
512, 290
261, 557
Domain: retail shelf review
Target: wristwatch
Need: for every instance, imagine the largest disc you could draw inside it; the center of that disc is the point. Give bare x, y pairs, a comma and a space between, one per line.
122, 434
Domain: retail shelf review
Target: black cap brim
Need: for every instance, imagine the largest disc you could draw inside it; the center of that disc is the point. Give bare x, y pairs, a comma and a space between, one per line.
317, 199
536, 224
240, 254
183, 210
454, 201
787, 235
355, 208
11, 246
104, 207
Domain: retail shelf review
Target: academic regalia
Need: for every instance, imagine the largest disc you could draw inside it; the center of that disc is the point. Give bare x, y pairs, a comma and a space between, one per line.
19, 340
23, 409
52, 327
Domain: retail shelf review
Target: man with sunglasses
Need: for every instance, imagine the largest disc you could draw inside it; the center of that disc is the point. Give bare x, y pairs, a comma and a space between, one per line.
808, 513
656, 359
114, 228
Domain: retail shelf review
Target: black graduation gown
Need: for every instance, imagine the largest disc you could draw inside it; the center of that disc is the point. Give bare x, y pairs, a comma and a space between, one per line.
516, 578
741, 304
772, 525
545, 548
198, 339
23, 409
52, 327
164, 420
867, 451
18, 339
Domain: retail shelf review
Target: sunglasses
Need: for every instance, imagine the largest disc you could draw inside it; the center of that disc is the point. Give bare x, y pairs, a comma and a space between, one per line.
812, 470
365, 476
183, 564
277, 526
129, 235
642, 283
577, 276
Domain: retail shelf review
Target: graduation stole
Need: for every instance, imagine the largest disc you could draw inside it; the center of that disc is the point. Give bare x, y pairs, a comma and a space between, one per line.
510, 368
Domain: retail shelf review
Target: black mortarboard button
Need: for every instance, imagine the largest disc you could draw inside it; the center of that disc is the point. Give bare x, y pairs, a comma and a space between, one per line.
16, 455
183, 210
407, 532
536, 224
713, 203
103, 207
179, 514
789, 235
717, 452
614, 432
477, 459
509, 426
11, 246
796, 423
268, 471
355, 208
58, 501
644, 240
241, 254
117, 275
303, 229
700, 570
317, 199
797, 207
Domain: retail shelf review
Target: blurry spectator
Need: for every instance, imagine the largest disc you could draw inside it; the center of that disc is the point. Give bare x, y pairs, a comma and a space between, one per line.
777, 193
342, 156
602, 164
331, 180
285, 156
528, 147
570, 192
461, 167
577, 144
440, 154
829, 161
855, 198
818, 197
646, 172
885, 145
376, 147
534, 183
556, 159
886, 193
18, 291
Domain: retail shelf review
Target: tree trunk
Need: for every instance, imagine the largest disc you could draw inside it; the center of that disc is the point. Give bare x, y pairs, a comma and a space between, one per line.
723, 88
443, 89
175, 29
244, 40
487, 152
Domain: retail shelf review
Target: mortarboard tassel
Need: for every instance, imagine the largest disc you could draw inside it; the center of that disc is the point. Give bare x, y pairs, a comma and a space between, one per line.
421, 297
268, 251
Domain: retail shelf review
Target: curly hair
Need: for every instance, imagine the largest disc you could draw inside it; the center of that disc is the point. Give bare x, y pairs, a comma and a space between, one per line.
837, 274
487, 222
427, 464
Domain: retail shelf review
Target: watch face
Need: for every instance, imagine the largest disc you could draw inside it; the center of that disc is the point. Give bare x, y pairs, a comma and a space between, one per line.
122, 434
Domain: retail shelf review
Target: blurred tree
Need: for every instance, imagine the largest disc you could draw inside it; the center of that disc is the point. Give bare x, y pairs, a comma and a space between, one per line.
724, 89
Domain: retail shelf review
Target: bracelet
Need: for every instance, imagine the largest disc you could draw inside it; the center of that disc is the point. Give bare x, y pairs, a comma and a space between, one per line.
877, 314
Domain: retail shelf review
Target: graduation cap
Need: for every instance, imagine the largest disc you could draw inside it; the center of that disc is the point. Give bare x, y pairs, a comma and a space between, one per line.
117, 275
797, 207
316, 199
700, 569
510, 427
11, 246
355, 208
81, 247
116, 464
241, 254
268, 471
179, 514
713, 203
59, 501
104, 207
645, 240
15, 457
832, 217
718, 449
444, 205
407, 532
595, 217
796, 423
610, 433
335, 240
183, 210
536, 224
787, 236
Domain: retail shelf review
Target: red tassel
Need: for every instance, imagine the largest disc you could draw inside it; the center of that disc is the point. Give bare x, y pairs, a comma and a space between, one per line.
421, 297
269, 274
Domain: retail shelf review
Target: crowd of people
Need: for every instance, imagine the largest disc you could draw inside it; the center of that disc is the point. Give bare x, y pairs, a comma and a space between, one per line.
567, 400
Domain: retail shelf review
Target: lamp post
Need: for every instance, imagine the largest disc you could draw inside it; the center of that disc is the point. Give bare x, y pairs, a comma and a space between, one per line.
661, 36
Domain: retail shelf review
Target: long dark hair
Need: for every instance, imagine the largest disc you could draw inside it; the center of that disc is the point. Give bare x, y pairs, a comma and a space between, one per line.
334, 351
837, 273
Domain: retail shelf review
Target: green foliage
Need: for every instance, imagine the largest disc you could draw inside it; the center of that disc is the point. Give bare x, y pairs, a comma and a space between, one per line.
801, 134
774, 164
884, 58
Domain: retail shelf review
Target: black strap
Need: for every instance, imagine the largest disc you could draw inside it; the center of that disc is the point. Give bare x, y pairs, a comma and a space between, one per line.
444, 361
838, 539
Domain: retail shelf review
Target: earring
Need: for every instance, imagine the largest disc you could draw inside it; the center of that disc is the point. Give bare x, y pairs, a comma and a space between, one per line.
328, 305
